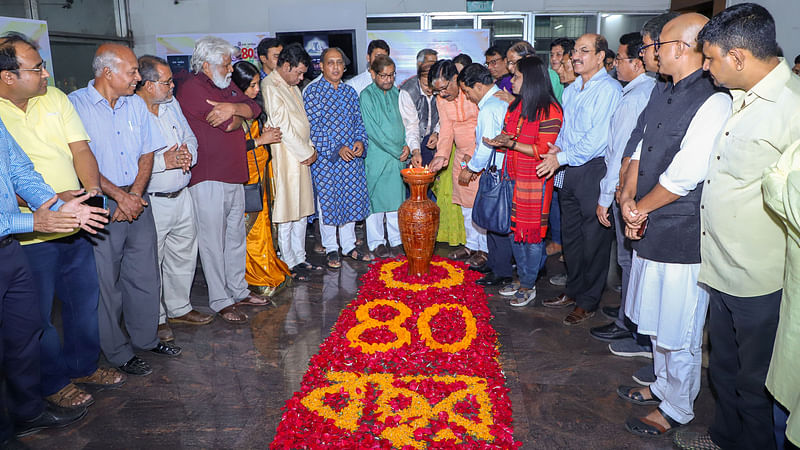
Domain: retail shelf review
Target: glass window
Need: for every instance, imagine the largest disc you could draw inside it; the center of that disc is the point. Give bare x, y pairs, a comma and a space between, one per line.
72, 63
612, 26
13, 8
452, 24
504, 32
394, 23
548, 28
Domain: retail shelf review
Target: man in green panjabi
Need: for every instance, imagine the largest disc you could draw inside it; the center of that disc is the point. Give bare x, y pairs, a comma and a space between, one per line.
380, 109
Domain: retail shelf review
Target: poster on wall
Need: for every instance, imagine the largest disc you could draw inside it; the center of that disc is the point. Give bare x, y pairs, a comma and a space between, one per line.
35, 30
315, 42
405, 44
177, 48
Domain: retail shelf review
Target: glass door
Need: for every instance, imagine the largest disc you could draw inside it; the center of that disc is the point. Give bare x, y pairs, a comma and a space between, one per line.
504, 30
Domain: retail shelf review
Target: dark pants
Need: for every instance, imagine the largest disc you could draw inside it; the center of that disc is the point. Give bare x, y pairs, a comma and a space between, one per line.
742, 333
555, 218
127, 270
62, 267
21, 327
587, 243
499, 253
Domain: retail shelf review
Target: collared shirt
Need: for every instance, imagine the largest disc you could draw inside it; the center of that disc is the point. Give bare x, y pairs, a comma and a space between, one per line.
44, 131
221, 155
491, 114
587, 115
315, 80
408, 111
176, 131
689, 166
634, 98
360, 81
120, 135
17, 176
504, 83
742, 245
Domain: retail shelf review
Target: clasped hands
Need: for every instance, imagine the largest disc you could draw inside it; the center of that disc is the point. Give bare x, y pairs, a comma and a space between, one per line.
178, 158
348, 154
633, 218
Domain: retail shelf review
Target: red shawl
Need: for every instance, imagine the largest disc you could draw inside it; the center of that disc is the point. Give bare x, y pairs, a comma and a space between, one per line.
530, 208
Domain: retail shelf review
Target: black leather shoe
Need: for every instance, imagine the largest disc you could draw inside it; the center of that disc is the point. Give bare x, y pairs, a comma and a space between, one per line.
136, 366
610, 332
51, 417
612, 312
166, 349
493, 280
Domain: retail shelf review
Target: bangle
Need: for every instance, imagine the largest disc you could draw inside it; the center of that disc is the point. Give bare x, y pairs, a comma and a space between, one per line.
513, 145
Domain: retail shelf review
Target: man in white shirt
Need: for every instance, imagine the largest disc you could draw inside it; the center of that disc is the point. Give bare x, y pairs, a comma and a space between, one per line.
364, 79
173, 212
420, 116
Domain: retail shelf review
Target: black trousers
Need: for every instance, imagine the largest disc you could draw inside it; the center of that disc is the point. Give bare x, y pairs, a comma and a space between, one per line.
21, 329
587, 244
499, 253
742, 333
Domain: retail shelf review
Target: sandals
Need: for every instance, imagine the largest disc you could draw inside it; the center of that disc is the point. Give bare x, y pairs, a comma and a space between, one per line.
461, 253
334, 261
647, 428
305, 265
68, 397
232, 315
103, 377
632, 394
356, 255
253, 300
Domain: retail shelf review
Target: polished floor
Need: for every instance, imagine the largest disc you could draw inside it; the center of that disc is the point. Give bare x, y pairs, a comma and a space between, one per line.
227, 388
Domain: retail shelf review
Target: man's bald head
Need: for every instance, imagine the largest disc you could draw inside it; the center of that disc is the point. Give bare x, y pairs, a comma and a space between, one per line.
685, 28
116, 71
678, 52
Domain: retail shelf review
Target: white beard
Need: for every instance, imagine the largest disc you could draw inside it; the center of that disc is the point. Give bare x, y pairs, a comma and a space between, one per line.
221, 81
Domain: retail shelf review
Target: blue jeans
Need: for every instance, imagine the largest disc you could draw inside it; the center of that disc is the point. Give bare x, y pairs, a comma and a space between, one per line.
529, 261
65, 267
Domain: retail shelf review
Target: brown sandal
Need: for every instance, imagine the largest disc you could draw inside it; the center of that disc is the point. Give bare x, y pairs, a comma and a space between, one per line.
103, 377
68, 397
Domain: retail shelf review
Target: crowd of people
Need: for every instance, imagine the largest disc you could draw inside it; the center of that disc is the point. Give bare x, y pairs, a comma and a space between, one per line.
683, 146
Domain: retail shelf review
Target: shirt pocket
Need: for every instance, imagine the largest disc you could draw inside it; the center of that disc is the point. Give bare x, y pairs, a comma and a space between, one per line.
746, 155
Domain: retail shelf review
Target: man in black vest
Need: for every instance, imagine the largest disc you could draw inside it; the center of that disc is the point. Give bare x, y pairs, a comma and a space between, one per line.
420, 116
661, 196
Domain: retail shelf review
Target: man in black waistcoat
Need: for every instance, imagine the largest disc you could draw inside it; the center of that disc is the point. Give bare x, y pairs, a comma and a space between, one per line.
660, 204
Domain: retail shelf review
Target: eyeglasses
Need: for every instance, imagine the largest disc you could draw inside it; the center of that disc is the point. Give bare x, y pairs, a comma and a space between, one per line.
386, 76
658, 44
620, 59
645, 47
42, 66
493, 62
165, 83
443, 91
581, 51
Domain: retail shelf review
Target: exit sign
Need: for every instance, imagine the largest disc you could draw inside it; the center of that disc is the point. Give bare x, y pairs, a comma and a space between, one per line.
476, 6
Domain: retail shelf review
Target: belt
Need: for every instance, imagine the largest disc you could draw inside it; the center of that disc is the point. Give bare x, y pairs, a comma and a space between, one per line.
167, 194
6, 241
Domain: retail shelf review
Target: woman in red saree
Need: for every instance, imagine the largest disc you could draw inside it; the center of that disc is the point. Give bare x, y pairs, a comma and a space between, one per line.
533, 120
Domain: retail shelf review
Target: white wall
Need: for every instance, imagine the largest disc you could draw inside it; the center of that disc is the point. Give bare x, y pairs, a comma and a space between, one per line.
785, 13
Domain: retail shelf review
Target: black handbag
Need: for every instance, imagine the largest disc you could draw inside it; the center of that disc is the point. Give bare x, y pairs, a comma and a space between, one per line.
492, 208
254, 192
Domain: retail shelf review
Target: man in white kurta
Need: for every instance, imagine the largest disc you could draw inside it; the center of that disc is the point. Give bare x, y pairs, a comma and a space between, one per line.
663, 185
291, 158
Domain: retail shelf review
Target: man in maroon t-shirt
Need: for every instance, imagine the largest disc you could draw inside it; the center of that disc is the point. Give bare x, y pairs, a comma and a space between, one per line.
215, 110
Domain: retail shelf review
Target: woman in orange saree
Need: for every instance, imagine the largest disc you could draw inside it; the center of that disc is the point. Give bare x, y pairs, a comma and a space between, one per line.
265, 272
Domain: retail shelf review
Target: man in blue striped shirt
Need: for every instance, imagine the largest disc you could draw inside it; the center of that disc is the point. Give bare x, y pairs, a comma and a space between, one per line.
588, 105
19, 312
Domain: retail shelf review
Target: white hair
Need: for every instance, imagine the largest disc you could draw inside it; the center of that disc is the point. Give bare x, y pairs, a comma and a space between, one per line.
108, 58
425, 52
212, 50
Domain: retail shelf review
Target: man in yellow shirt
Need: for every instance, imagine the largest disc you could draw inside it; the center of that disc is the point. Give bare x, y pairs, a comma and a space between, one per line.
743, 245
44, 123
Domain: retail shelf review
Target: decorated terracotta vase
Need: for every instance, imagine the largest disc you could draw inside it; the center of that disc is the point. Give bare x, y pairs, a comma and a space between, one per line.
418, 217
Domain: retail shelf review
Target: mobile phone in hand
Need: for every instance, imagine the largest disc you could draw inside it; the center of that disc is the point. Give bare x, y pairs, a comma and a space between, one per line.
640, 232
98, 201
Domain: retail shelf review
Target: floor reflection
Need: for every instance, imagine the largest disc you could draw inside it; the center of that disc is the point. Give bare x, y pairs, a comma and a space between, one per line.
227, 388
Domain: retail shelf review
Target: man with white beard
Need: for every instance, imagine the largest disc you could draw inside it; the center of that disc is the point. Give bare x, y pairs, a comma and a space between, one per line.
215, 109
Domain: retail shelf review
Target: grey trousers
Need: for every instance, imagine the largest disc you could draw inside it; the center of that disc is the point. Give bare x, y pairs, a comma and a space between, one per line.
221, 239
624, 255
127, 270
